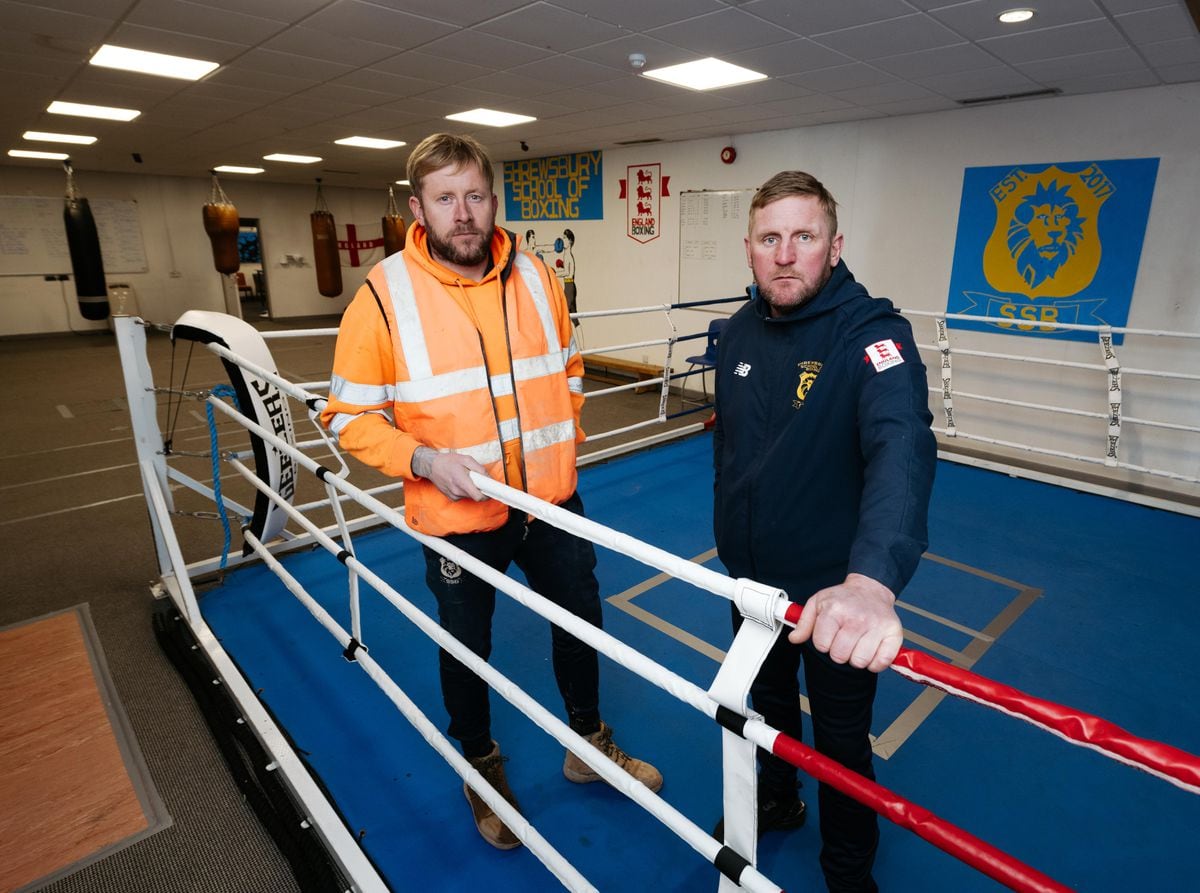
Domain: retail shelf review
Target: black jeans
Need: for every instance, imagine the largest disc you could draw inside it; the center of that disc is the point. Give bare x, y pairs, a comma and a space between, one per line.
559, 566
841, 698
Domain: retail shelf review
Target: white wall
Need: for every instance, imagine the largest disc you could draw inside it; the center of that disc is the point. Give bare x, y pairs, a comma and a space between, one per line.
898, 181
180, 273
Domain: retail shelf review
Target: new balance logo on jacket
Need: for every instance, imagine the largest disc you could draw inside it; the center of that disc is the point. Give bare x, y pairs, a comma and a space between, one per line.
742, 370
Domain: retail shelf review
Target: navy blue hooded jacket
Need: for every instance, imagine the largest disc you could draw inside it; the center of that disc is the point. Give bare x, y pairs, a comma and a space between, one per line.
823, 456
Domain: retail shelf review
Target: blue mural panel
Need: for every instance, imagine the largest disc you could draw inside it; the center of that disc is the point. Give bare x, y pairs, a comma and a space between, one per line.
1050, 243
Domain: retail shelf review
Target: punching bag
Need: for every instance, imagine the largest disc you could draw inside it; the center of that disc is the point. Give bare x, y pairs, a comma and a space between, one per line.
83, 241
393, 227
221, 224
325, 248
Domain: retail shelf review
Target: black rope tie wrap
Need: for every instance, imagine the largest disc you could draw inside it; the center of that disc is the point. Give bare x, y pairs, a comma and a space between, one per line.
352, 649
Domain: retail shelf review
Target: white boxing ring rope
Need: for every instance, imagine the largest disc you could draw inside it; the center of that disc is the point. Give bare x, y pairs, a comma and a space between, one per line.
770, 603
753, 729
1112, 368
941, 834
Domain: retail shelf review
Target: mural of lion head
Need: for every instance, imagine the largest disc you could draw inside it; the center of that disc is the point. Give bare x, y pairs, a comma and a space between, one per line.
1044, 232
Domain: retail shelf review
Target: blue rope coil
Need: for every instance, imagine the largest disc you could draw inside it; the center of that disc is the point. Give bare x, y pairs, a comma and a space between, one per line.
221, 390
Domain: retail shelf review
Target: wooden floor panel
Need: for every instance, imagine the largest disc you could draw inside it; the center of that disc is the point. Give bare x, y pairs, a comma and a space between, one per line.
65, 792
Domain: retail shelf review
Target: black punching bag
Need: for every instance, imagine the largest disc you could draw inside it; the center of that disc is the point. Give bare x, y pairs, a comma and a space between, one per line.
87, 264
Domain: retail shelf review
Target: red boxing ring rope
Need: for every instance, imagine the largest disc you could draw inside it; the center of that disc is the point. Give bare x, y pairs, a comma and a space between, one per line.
967, 848
1171, 764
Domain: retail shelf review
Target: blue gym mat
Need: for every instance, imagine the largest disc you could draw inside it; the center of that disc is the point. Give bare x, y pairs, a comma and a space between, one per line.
1090, 602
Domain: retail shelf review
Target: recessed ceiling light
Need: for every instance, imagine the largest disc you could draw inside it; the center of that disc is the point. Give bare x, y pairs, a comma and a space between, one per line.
369, 142
705, 74
109, 56
40, 137
28, 153
83, 110
292, 159
237, 169
1014, 16
490, 117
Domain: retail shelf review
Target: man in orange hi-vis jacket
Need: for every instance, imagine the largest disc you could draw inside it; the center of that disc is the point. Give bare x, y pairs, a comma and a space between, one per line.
457, 356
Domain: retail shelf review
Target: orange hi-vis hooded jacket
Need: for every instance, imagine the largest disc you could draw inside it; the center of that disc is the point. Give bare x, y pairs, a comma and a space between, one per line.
489, 369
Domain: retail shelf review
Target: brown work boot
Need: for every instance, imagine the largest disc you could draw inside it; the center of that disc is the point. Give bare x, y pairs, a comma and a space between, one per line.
578, 771
493, 830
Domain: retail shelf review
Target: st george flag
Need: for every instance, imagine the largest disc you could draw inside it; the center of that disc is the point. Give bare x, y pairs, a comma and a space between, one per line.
360, 245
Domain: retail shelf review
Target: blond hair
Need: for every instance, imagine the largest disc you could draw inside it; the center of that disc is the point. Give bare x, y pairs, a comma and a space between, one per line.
441, 150
788, 183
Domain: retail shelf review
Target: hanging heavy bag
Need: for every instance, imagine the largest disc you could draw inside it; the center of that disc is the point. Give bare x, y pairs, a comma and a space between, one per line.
325, 248
221, 224
87, 264
393, 227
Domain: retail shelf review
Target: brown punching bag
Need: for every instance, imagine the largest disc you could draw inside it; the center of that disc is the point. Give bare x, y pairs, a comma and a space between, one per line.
221, 224
393, 227
83, 241
325, 248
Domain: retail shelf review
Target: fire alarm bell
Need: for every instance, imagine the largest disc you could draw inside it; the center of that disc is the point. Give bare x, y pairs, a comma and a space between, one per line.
728, 154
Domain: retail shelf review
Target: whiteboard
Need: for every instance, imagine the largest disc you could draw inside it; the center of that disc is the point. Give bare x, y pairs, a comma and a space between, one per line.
33, 236
712, 253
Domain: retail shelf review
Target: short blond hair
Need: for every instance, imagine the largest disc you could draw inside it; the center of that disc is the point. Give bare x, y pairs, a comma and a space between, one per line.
788, 183
441, 150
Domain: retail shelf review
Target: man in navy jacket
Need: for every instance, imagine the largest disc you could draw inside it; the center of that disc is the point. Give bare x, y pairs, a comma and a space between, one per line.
823, 463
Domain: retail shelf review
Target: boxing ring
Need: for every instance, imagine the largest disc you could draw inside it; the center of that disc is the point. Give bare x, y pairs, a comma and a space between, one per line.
345, 726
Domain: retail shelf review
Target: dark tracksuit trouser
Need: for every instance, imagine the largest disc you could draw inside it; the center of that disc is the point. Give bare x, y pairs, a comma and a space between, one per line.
559, 566
840, 697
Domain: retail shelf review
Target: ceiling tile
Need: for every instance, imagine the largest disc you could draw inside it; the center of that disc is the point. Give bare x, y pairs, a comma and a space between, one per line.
189, 18
978, 19
376, 25
557, 72
1153, 25
721, 33
818, 18
1104, 83
841, 77
291, 65
425, 66
944, 60
789, 57
473, 46
1049, 43
551, 28
615, 53
895, 91
997, 81
316, 44
157, 40
1051, 71
639, 15
866, 42
1184, 51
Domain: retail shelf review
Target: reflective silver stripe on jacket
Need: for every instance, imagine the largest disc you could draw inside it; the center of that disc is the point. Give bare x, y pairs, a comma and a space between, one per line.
551, 435
423, 384
360, 394
525, 266
342, 419
484, 453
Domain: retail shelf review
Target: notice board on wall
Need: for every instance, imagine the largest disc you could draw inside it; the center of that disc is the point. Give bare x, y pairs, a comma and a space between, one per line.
33, 236
712, 253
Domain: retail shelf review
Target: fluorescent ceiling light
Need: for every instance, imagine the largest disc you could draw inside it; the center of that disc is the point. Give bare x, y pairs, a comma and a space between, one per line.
83, 110
1014, 16
109, 56
237, 169
705, 74
40, 137
369, 142
403, 183
490, 117
49, 156
292, 159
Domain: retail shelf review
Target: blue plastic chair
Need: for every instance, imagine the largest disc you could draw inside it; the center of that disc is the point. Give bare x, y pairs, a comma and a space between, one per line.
702, 363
